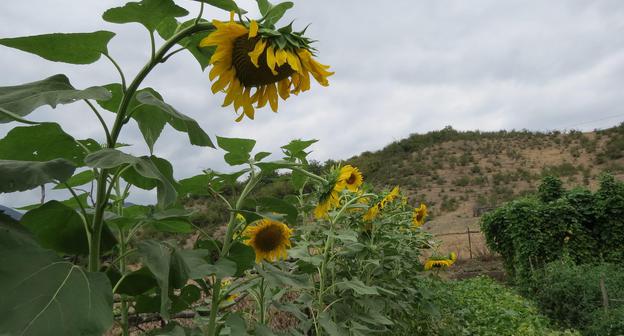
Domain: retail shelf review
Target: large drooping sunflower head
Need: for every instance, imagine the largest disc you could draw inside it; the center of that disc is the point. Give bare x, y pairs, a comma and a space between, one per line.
255, 63
269, 239
440, 262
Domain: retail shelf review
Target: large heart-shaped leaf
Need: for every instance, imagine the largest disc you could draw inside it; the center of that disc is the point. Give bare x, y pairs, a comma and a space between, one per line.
40, 294
59, 227
43, 142
149, 13
26, 175
110, 158
177, 120
25, 98
74, 48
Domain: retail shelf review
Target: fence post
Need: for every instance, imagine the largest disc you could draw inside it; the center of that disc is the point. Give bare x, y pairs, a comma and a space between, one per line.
469, 241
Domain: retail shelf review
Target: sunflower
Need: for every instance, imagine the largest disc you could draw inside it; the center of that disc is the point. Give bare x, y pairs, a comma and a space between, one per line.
255, 65
418, 215
330, 194
440, 263
352, 177
269, 239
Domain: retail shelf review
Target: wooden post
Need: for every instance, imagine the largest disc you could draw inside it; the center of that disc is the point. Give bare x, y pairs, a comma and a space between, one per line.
605, 296
469, 241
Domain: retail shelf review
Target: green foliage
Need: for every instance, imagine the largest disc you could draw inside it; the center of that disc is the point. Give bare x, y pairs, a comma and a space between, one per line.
532, 231
571, 295
40, 294
481, 306
75, 48
21, 100
26, 175
149, 13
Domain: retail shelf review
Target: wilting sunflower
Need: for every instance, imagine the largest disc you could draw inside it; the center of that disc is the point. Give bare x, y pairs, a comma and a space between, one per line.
372, 213
352, 177
254, 64
269, 239
392, 195
418, 215
440, 263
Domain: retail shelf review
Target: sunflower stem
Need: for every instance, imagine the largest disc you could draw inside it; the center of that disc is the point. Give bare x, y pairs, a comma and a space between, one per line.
309, 174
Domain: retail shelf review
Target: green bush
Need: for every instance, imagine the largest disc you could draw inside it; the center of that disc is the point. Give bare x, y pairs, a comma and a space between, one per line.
571, 295
481, 306
532, 231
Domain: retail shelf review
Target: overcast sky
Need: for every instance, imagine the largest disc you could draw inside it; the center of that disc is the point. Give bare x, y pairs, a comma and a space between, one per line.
401, 66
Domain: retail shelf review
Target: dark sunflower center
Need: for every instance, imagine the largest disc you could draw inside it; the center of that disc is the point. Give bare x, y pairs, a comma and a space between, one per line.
437, 265
246, 71
352, 178
419, 216
269, 238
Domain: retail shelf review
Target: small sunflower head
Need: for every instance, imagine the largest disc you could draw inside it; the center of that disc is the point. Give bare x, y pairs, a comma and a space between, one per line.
329, 194
438, 263
255, 63
418, 215
269, 238
352, 177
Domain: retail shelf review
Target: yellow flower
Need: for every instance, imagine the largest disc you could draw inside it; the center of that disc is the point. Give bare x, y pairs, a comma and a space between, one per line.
352, 177
419, 215
372, 213
392, 195
437, 264
269, 239
440, 263
330, 195
253, 67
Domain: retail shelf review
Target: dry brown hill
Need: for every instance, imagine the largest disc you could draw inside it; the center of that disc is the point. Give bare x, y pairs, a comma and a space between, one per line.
459, 174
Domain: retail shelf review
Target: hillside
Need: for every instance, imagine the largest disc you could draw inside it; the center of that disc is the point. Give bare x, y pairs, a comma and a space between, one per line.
461, 174
456, 172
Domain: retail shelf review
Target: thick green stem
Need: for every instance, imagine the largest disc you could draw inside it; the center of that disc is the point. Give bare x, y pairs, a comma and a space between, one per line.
214, 308
103, 192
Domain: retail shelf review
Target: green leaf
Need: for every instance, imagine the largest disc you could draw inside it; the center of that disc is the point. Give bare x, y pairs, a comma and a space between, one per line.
188, 295
70, 202
261, 155
274, 165
175, 225
43, 142
237, 149
237, 325
199, 266
62, 299
73, 48
110, 158
60, 228
157, 257
191, 43
137, 282
149, 13
276, 12
262, 330
330, 326
244, 257
196, 185
358, 287
77, 180
26, 175
227, 5
23, 99
280, 278
296, 149
271, 204
264, 6
164, 167
177, 120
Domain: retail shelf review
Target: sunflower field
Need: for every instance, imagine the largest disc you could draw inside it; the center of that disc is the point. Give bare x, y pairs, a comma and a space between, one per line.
335, 258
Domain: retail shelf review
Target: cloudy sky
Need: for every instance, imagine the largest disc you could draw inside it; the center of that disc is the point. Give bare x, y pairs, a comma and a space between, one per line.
402, 67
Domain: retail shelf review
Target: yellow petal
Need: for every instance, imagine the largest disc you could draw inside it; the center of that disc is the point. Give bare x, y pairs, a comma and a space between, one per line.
223, 81
281, 56
253, 29
271, 60
256, 52
283, 88
293, 61
233, 91
272, 93
263, 98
